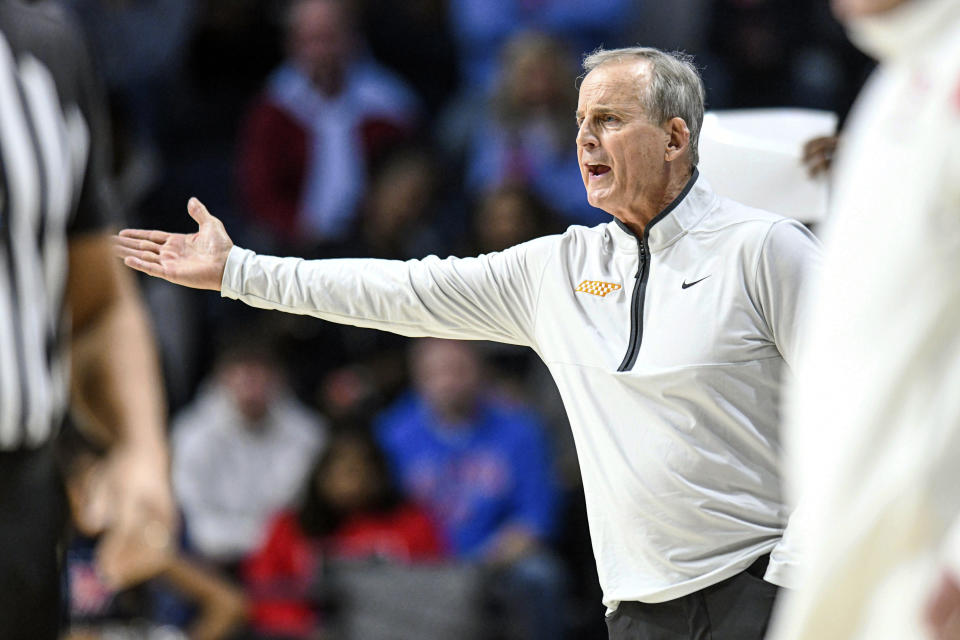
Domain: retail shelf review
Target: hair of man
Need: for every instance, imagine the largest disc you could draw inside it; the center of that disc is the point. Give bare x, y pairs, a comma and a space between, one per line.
675, 88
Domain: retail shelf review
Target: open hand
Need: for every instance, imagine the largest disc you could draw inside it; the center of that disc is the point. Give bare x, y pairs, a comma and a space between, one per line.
194, 260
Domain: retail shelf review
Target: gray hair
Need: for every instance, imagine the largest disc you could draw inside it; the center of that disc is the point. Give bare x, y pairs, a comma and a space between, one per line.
675, 88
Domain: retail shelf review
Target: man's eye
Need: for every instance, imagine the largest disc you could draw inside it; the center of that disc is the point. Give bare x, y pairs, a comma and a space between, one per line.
609, 118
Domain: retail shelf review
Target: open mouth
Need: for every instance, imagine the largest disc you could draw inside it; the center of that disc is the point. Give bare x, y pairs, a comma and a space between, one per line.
597, 170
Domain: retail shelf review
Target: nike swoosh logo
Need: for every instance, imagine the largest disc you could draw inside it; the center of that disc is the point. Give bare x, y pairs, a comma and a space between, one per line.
686, 284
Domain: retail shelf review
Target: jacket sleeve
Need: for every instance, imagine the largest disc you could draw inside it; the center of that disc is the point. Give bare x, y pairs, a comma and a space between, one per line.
787, 264
490, 297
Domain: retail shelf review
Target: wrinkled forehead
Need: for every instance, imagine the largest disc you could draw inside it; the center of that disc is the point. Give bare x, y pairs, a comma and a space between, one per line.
617, 83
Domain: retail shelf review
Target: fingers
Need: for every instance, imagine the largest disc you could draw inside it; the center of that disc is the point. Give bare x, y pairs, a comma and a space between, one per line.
133, 244
198, 212
818, 165
158, 237
818, 154
131, 554
150, 268
140, 249
124, 253
819, 145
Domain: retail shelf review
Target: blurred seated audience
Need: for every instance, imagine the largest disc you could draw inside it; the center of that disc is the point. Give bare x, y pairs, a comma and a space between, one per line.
179, 597
507, 216
139, 47
768, 53
484, 471
325, 114
401, 208
241, 450
413, 38
481, 27
526, 137
349, 510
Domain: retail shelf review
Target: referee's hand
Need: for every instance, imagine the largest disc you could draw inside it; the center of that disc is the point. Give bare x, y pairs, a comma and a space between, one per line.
137, 541
194, 260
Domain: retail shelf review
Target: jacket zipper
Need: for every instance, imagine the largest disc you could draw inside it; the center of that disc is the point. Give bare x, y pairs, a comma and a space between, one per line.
643, 272
636, 307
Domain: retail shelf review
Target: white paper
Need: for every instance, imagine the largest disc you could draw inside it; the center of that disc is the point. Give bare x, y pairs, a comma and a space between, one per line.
755, 156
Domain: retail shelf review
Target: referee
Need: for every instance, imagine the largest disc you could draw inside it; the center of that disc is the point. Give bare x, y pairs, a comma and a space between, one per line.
66, 308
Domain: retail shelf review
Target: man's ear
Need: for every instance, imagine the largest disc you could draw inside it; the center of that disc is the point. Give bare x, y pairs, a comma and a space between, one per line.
679, 139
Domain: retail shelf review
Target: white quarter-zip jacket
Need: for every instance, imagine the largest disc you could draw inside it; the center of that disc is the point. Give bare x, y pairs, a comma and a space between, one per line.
668, 351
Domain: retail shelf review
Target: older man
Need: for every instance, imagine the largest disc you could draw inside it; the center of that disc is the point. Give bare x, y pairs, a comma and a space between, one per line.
667, 331
875, 425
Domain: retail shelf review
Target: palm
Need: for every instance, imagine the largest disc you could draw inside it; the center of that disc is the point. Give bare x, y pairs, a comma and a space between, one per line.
193, 260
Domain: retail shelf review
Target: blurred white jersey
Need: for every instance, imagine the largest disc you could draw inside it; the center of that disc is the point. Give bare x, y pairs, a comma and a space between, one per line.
874, 417
667, 349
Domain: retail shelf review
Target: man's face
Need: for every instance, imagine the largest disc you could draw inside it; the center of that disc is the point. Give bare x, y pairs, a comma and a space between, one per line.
320, 40
252, 385
622, 155
847, 9
447, 373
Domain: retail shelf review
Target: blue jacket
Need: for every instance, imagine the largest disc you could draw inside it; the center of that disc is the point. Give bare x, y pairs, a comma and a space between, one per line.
476, 478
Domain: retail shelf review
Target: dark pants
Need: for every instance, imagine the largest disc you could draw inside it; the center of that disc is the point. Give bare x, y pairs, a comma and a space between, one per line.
736, 609
32, 518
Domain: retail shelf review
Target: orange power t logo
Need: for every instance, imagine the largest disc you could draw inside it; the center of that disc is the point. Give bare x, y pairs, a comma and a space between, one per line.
596, 287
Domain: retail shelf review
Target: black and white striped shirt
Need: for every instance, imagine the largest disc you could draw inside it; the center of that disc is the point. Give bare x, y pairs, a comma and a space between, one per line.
52, 185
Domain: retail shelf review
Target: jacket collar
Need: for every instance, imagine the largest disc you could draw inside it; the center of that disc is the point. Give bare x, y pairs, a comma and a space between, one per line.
678, 217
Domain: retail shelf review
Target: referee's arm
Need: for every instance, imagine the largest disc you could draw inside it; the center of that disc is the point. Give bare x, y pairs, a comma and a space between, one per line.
117, 385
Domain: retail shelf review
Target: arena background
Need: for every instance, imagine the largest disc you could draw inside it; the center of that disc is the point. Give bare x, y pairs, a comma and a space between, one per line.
465, 145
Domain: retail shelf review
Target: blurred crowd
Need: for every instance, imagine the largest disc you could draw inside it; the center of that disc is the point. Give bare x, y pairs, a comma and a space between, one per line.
390, 129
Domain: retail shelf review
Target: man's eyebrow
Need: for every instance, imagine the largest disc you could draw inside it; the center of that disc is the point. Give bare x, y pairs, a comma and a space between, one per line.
609, 108
604, 108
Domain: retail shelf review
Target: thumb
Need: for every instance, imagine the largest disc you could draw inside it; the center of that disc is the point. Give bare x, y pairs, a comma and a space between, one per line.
198, 212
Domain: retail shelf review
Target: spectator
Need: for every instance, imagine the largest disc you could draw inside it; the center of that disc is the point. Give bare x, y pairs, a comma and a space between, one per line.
482, 27
507, 216
399, 211
240, 452
325, 113
139, 46
525, 138
349, 510
484, 472
413, 38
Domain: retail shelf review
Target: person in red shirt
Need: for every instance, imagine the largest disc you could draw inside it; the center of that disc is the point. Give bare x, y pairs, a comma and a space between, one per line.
350, 510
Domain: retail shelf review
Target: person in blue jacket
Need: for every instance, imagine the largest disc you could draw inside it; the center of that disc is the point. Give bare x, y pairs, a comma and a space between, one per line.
483, 468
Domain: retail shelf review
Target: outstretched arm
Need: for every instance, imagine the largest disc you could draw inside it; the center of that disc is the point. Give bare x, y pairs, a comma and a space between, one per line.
490, 297
194, 260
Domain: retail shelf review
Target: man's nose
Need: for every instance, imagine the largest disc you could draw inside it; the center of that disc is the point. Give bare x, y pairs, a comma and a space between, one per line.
585, 136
